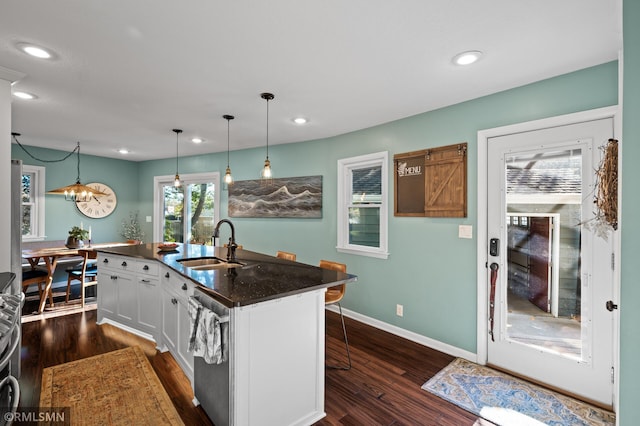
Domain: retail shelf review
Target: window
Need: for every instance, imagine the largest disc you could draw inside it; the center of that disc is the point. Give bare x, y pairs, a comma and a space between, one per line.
362, 205
33, 203
187, 214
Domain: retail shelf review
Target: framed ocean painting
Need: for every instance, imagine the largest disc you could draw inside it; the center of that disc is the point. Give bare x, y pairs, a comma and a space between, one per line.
295, 197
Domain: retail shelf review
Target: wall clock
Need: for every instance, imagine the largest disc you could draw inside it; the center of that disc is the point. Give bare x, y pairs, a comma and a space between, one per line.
99, 206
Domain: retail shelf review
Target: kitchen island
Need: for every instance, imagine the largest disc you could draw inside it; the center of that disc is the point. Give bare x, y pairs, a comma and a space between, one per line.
273, 318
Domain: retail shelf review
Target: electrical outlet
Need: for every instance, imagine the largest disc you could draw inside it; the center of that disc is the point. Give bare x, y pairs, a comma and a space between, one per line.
399, 310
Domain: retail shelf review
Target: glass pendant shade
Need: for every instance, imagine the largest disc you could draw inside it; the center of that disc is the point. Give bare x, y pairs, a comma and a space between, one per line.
228, 179
266, 170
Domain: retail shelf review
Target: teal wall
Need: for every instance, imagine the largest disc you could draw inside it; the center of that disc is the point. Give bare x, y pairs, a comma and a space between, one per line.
630, 230
430, 270
61, 215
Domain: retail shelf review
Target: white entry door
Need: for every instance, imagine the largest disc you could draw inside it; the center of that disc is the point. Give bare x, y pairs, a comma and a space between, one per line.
533, 179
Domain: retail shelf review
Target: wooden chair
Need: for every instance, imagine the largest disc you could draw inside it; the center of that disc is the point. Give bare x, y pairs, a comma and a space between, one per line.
334, 295
36, 276
286, 255
86, 273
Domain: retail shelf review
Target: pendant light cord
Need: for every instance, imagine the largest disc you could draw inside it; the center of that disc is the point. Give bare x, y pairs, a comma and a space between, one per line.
228, 119
267, 128
77, 149
177, 131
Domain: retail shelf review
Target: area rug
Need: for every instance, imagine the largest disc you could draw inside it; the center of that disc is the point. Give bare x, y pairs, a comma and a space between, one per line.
498, 396
116, 388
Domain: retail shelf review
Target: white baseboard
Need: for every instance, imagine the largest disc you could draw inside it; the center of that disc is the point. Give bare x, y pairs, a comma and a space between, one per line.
406, 334
126, 328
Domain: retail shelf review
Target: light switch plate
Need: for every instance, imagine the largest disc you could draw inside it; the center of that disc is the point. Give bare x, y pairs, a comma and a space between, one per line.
465, 231
149, 219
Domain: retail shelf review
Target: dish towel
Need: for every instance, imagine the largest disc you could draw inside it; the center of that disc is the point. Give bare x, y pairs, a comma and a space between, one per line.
205, 334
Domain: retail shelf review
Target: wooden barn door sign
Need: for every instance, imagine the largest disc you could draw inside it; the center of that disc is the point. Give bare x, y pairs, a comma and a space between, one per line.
431, 182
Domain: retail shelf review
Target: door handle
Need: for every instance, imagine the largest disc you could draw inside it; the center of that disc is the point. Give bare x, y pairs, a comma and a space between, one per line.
611, 306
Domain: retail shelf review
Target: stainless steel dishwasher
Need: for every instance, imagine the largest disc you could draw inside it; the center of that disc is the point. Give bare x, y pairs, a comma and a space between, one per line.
212, 381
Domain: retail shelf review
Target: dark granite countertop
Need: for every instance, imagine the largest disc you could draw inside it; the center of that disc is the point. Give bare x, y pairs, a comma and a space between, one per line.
262, 277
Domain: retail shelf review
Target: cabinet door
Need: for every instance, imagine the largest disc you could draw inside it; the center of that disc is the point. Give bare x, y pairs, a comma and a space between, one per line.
169, 320
107, 294
149, 304
127, 298
186, 357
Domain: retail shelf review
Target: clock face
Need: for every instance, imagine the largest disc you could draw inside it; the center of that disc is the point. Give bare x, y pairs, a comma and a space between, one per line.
100, 205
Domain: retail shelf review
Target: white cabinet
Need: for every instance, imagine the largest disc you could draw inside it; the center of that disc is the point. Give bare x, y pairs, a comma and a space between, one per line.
129, 294
175, 317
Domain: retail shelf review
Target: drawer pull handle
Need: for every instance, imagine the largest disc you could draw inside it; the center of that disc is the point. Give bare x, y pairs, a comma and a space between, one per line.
174, 300
166, 275
105, 261
145, 268
145, 281
114, 277
184, 286
124, 264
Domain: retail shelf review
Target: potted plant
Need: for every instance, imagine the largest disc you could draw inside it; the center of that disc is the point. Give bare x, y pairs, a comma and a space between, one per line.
76, 237
131, 230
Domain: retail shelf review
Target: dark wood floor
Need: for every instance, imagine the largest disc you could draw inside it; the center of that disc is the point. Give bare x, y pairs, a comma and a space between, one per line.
382, 388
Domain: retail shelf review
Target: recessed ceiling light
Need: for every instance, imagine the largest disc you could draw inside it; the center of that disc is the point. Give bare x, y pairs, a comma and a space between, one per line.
123, 151
300, 120
467, 58
35, 51
24, 95
197, 140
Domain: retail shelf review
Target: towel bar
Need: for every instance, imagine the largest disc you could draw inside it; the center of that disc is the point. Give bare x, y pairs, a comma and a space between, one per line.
221, 319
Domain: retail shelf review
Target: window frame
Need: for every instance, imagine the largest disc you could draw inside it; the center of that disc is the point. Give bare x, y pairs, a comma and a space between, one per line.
344, 201
37, 205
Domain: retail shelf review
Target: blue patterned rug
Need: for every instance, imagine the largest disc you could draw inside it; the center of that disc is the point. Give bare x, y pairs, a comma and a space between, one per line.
474, 387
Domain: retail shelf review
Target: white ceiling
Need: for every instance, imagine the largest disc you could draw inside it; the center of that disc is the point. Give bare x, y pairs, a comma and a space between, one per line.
127, 72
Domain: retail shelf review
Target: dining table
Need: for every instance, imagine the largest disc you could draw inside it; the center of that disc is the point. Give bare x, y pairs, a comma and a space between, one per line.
51, 255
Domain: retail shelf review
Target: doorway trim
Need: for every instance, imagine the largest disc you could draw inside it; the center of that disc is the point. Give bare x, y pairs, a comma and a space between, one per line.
482, 242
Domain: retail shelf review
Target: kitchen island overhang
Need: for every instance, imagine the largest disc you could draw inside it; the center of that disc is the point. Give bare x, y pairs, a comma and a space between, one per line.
261, 278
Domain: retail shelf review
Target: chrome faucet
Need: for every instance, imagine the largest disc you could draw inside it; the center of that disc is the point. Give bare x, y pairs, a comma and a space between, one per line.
231, 247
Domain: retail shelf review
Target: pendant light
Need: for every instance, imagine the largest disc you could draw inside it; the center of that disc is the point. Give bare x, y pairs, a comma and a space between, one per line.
77, 192
266, 174
228, 179
177, 182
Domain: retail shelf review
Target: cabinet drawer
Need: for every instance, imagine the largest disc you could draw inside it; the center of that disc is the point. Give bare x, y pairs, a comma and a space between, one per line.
117, 263
176, 284
146, 267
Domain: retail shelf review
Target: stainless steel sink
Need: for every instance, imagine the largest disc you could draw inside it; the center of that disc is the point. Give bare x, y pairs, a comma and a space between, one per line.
208, 263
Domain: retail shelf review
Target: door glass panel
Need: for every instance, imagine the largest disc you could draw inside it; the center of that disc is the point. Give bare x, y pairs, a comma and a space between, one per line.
200, 210
544, 211
173, 213
188, 213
